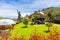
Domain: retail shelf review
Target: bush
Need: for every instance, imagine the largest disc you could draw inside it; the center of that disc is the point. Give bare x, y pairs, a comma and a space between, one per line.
25, 21
48, 24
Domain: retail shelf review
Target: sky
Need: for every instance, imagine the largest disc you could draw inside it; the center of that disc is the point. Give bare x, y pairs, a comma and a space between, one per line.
8, 8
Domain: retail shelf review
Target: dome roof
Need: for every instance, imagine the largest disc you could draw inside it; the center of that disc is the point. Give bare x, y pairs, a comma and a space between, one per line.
7, 22
41, 13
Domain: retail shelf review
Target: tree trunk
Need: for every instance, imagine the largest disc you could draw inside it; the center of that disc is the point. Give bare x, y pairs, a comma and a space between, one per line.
48, 29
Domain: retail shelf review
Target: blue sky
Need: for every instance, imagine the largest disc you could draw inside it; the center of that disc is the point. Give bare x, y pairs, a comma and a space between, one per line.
8, 8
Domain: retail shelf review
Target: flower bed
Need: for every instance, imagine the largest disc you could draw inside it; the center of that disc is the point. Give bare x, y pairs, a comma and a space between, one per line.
5, 30
4, 27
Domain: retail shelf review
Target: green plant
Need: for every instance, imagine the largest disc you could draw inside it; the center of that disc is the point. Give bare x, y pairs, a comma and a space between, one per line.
25, 21
48, 24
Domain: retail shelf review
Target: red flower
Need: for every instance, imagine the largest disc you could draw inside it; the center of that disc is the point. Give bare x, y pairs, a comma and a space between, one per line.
3, 27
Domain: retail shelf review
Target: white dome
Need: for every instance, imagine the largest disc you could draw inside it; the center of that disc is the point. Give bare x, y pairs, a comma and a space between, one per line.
7, 22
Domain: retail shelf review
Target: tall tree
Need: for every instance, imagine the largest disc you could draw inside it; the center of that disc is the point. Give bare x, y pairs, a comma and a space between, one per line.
19, 16
35, 16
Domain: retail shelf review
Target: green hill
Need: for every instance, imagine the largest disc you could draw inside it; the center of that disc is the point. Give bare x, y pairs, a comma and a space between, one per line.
54, 11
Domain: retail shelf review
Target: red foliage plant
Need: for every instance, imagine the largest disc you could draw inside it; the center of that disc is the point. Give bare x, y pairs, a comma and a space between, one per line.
2, 27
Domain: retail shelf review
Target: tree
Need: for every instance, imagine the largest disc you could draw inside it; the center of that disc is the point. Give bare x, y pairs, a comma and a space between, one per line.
35, 16
19, 16
25, 21
49, 19
48, 24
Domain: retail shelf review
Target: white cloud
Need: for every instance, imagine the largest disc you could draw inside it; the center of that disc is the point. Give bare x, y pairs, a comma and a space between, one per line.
45, 3
7, 9
24, 14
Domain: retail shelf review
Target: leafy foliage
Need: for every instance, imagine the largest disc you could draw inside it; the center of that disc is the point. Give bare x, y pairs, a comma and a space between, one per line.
54, 11
25, 21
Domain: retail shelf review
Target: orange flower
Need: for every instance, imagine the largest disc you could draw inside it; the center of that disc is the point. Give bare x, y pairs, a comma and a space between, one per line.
12, 27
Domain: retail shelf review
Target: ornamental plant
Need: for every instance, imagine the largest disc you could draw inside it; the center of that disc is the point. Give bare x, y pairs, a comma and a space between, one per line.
48, 24
25, 21
2, 27
12, 27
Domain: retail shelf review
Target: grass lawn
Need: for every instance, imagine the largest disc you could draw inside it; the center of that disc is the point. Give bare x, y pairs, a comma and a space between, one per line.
19, 31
